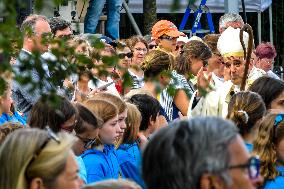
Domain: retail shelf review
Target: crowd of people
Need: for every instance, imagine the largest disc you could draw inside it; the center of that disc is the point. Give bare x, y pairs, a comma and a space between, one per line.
197, 113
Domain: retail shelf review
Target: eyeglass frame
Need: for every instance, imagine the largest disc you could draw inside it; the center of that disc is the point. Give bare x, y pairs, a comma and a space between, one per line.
88, 143
252, 161
141, 49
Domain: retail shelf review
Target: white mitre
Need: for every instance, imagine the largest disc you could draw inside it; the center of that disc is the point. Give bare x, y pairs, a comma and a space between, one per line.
229, 42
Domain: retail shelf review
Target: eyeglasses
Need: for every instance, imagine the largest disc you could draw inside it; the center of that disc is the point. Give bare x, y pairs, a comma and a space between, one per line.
65, 37
152, 46
179, 47
123, 55
141, 49
50, 136
87, 142
252, 166
169, 38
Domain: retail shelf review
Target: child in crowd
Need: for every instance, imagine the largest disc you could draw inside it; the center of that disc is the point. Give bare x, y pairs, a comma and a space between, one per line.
269, 147
149, 108
59, 117
101, 160
86, 129
246, 109
7, 112
128, 153
120, 104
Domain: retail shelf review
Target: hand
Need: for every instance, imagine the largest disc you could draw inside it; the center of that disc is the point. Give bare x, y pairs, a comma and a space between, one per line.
203, 82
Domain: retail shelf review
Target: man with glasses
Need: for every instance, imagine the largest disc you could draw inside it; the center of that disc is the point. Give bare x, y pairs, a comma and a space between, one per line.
61, 29
35, 29
165, 33
200, 153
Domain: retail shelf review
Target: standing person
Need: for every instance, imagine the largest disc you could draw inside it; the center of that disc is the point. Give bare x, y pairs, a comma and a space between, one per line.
166, 33
230, 19
181, 41
194, 55
60, 28
215, 63
269, 147
265, 54
121, 106
86, 129
139, 47
101, 160
216, 102
33, 42
33, 158
149, 109
159, 79
246, 110
128, 152
94, 12
200, 153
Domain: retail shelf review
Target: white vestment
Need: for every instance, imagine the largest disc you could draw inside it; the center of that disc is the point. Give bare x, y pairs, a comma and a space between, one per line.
215, 103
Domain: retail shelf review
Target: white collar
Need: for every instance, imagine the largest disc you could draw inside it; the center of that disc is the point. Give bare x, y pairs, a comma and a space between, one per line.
26, 51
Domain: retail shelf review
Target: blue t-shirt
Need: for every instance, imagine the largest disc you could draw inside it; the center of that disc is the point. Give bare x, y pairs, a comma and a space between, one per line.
15, 117
278, 182
101, 165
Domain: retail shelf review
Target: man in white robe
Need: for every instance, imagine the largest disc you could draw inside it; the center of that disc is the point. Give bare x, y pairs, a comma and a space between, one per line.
215, 103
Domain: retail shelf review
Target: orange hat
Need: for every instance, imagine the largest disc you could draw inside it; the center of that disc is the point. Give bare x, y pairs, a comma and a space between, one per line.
165, 27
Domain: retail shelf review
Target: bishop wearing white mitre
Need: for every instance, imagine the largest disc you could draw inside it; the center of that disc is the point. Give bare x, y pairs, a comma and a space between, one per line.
215, 103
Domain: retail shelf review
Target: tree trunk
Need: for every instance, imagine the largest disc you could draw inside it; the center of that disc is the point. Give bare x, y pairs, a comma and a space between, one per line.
149, 15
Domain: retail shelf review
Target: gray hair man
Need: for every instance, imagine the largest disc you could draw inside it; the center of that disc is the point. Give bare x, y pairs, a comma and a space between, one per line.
35, 29
230, 19
200, 153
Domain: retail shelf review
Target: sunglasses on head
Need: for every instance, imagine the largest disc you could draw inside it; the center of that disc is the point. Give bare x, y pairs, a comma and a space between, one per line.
123, 55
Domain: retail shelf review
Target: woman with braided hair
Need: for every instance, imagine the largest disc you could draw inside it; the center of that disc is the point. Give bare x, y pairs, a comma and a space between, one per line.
246, 109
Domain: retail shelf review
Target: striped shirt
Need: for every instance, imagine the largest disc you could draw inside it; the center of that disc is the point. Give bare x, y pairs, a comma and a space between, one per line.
167, 96
138, 82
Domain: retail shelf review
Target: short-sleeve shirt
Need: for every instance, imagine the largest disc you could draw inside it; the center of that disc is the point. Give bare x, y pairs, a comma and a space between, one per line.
167, 100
